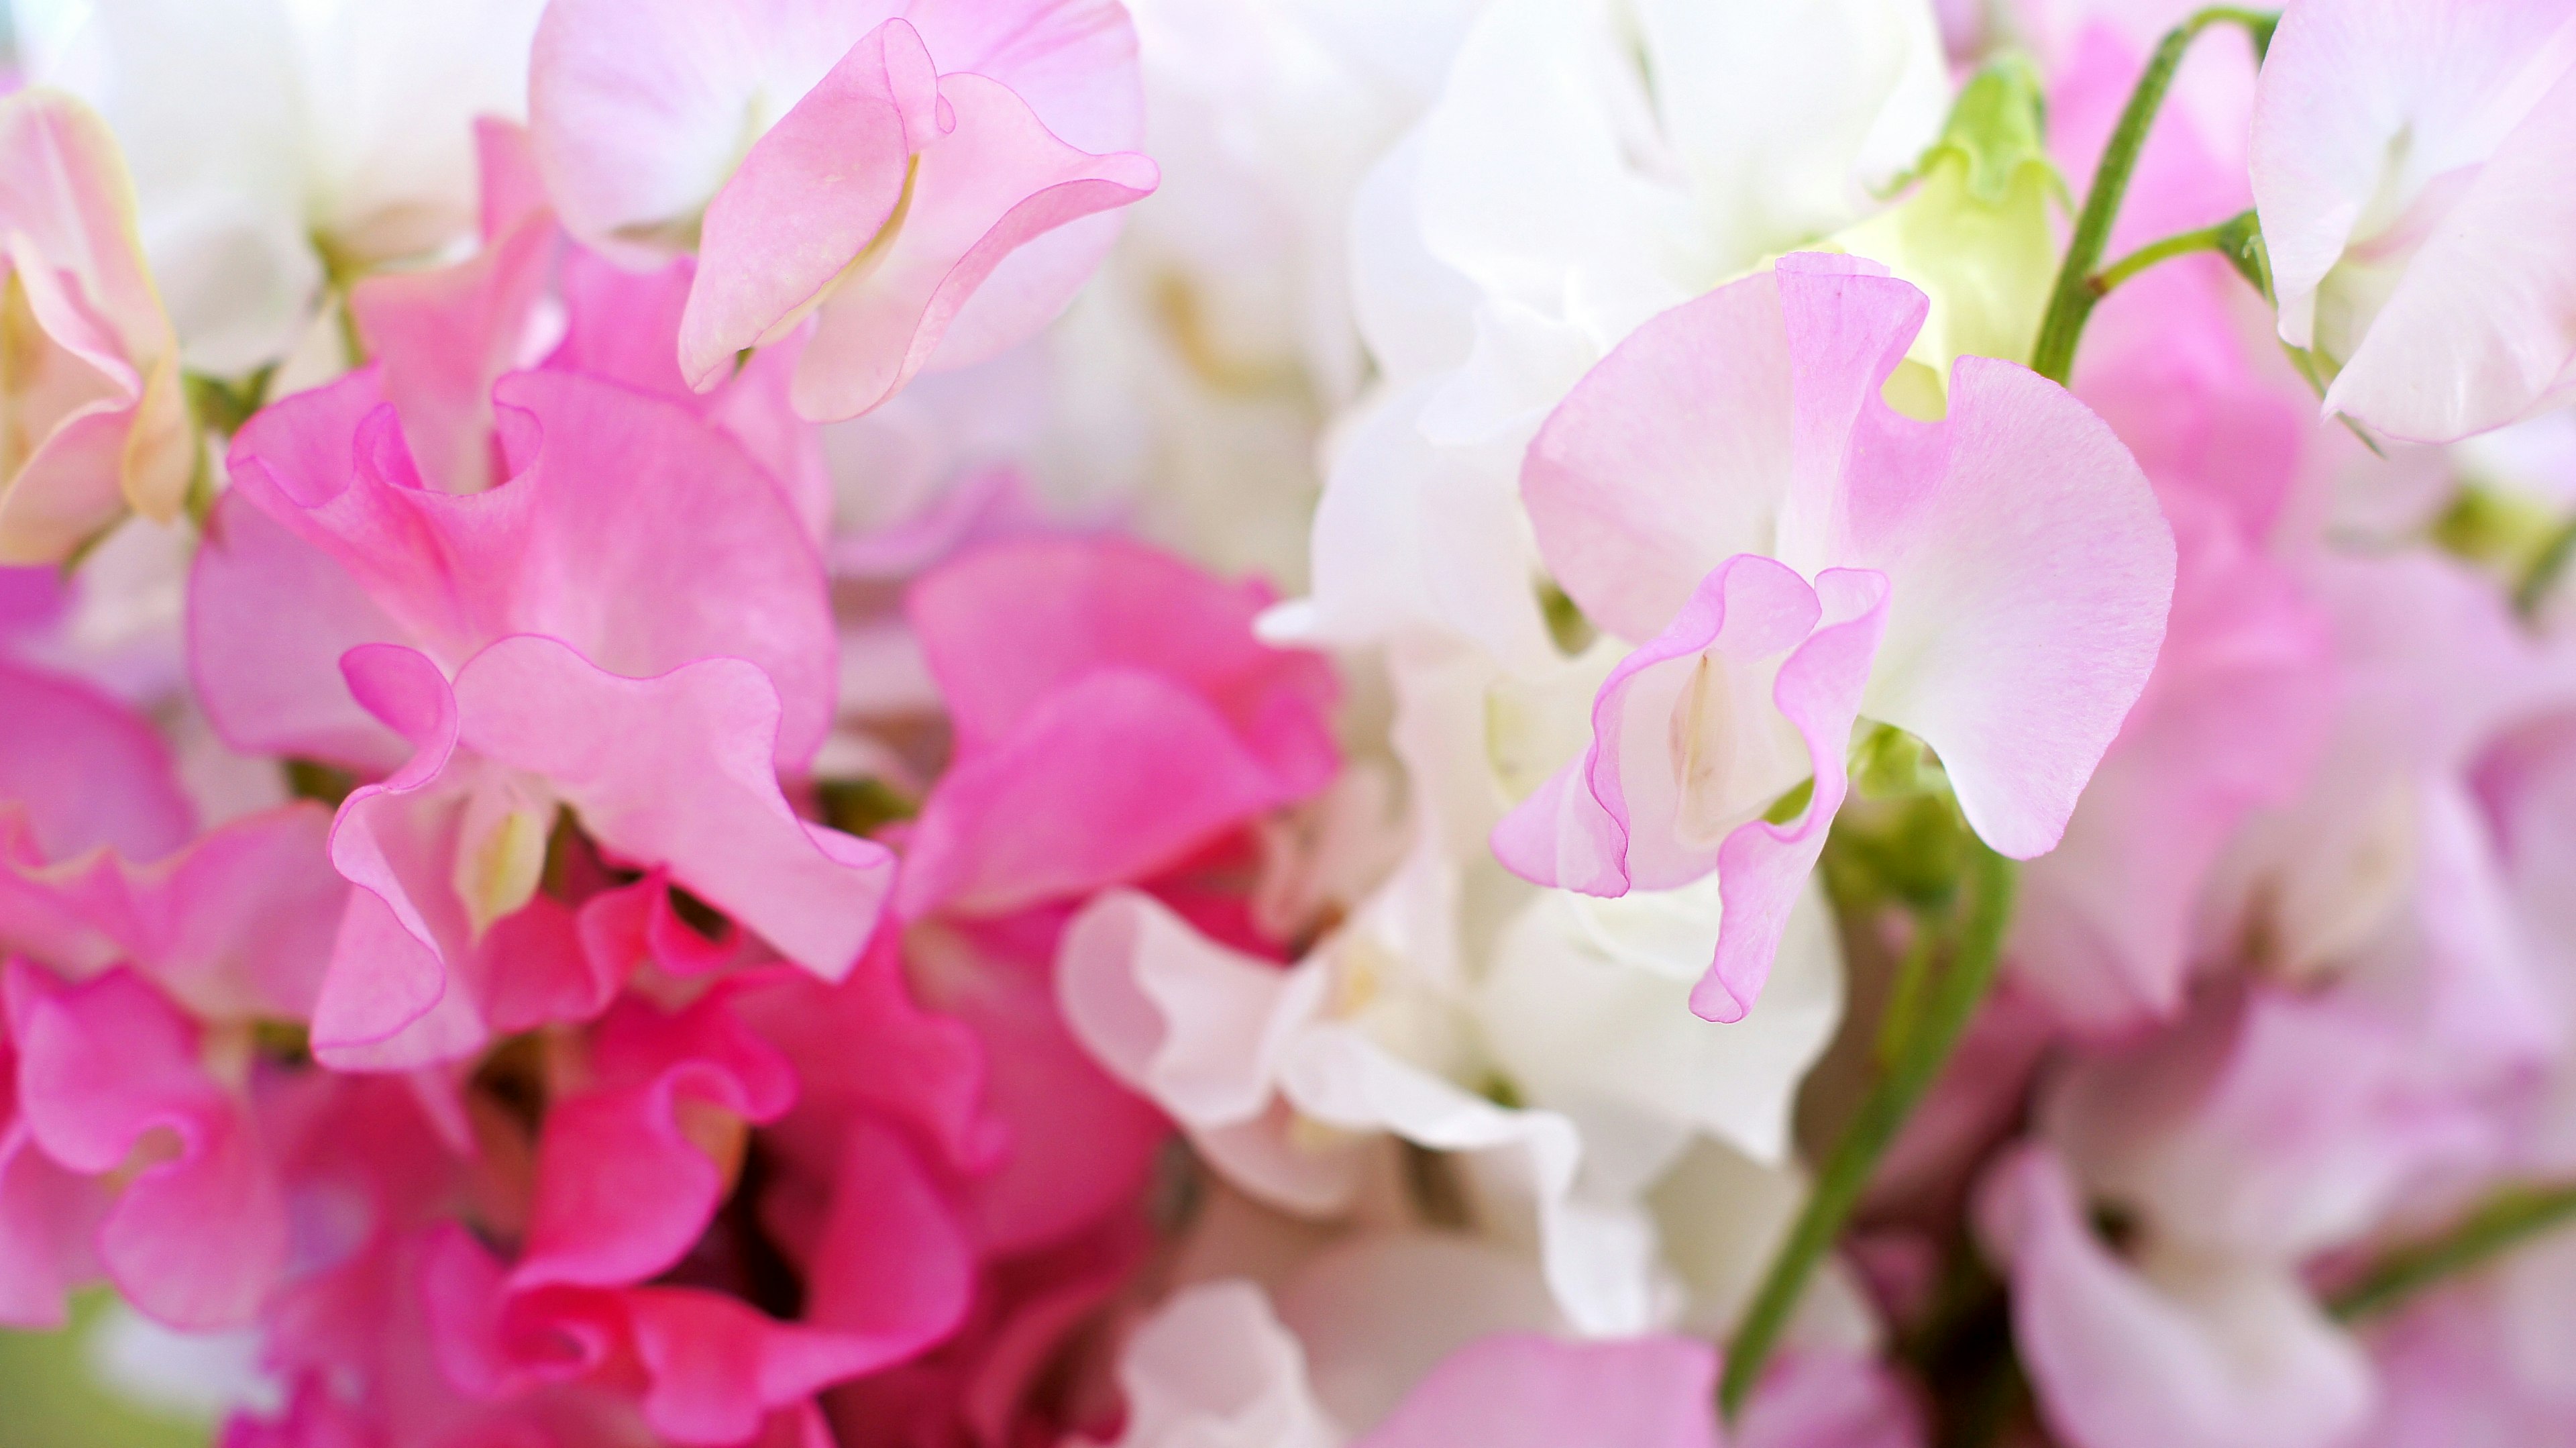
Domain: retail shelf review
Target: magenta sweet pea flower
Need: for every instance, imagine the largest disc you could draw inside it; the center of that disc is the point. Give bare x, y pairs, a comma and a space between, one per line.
929, 186
1730, 487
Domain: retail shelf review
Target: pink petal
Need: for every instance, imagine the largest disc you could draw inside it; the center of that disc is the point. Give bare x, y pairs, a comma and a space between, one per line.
2481, 330
637, 111
865, 1045
2242, 1361
2029, 573
675, 771
269, 690
1762, 867
509, 189
1007, 623
894, 1270
197, 1239
2027, 566
672, 772
48, 1222
1109, 780
235, 926
1634, 811
621, 516
810, 197
999, 204
1632, 517
2233, 718
1690, 748
1821, 1398
443, 336
621, 325
86, 771
1081, 1146
1527, 1391
622, 1189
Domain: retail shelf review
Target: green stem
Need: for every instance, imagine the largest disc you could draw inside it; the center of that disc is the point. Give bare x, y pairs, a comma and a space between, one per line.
2508, 1219
2208, 238
1944, 1005
2070, 304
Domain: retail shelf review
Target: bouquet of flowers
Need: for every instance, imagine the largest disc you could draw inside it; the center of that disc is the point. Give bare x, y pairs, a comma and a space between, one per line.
1288, 723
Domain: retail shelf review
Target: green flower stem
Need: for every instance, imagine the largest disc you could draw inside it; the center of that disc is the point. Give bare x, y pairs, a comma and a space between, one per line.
2070, 304
2506, 1220
1941, 1008
2208, 238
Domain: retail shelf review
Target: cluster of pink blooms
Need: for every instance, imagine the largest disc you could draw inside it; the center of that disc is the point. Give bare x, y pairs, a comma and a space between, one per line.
1050, 724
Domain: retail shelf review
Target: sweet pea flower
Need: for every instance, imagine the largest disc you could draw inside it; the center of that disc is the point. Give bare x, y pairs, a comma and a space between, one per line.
2407, 158
97, 423
631, 1170
2480, 1361
1113, 715
1730, 487
1485, 287
930, 186
1443, 1347
502, 640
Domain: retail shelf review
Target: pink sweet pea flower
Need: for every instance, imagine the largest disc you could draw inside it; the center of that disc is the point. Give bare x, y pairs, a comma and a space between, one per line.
98, 866
97, 421
630, 1174
620, 518
2409, 162
2233, 719
1522, 1390
195, 1236
633, 625
1729, 486
930, 186
671, 772
1113, 713
446, 334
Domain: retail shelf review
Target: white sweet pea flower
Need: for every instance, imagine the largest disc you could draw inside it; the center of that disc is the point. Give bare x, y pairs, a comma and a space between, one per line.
2409, 165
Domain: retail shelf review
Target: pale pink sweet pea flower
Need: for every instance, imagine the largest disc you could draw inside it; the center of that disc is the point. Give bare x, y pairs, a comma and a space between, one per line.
2224, 1352
2233, 719
930, 186
2410, 161
97, 421
1729, 486
2483, 1361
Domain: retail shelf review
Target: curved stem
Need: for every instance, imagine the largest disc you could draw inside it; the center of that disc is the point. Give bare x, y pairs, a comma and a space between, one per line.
2070, 304
1943, 1005
2508, 1219
2208, 238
